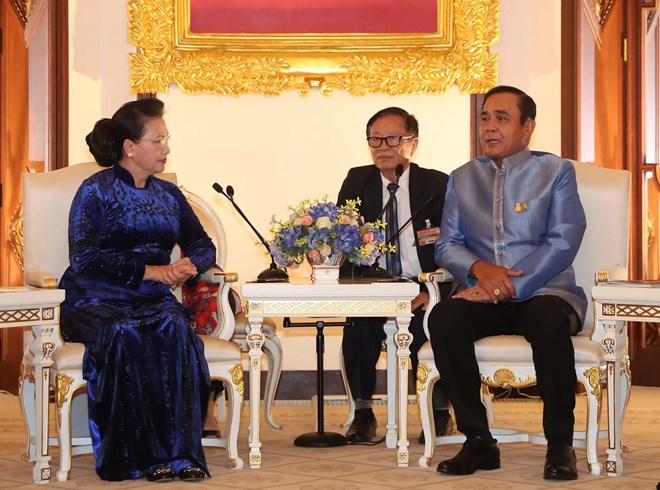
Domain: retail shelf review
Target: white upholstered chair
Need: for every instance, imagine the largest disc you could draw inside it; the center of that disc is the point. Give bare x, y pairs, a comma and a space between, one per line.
506, 360
272, 347
47, 198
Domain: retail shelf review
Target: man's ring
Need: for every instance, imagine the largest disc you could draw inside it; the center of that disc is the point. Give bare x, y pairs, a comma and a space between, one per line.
475, 293
497, 292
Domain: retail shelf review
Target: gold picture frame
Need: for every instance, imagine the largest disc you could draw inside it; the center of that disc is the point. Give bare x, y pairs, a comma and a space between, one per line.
235, 64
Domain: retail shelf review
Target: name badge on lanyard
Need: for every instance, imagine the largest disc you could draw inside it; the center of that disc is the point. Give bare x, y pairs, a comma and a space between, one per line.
427, 236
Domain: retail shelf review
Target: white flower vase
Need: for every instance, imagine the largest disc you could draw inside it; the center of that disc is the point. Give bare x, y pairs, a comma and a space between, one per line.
325, 270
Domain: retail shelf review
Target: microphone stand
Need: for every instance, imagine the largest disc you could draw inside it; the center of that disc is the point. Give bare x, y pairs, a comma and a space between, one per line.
273, 273
412, 217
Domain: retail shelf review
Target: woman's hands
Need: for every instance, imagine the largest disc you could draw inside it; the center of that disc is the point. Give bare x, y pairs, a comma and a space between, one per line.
172, 274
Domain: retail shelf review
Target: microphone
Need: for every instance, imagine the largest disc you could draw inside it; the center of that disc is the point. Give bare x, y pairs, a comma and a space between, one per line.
413, 216
273, 273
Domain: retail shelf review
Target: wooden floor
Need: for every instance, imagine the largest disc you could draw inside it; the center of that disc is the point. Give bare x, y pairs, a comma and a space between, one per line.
286, 466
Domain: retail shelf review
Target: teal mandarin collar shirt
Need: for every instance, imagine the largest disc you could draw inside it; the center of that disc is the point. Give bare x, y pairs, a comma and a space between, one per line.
526, 215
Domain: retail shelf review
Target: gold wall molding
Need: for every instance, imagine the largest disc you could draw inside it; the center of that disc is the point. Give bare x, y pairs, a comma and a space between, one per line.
16, 240
603, 10
23, 9
458, 55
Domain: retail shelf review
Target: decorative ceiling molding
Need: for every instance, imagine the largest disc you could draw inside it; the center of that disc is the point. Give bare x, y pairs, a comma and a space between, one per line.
23, 9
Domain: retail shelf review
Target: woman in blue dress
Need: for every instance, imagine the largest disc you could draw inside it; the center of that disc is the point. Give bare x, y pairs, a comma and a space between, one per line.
147, 378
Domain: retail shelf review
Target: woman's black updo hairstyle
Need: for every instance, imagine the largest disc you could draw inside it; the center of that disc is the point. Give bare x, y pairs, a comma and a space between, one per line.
107, 138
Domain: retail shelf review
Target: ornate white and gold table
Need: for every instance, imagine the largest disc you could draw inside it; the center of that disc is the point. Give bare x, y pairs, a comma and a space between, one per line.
38, 309
614, 305
348, 298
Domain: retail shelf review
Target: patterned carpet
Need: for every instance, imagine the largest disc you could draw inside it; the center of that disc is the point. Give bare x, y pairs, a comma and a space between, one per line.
286, 466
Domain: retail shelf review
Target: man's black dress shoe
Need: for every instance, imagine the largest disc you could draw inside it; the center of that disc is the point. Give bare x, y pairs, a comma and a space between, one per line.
192, 473
476, 454
560, 463
363, 427
444, 425
161, 475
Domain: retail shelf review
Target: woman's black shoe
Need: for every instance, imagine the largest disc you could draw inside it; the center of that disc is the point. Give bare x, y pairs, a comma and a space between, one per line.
161, 475
192, 473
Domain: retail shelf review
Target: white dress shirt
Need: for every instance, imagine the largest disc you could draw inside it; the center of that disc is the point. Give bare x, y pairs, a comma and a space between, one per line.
410, 265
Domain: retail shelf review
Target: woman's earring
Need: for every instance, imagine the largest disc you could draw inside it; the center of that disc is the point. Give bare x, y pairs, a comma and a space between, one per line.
130, 155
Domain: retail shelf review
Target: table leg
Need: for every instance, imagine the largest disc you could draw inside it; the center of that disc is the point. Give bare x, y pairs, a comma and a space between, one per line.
42, 348
255, 339
614, 343
403, 339
392, 395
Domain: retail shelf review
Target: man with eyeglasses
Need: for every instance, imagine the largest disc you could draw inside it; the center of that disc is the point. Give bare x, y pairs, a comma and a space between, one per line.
392, 135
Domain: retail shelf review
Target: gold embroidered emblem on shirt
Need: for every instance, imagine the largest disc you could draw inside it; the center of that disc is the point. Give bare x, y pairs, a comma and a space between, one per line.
521, 206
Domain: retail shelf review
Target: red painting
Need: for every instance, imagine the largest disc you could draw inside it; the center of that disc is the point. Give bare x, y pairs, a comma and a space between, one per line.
314, 16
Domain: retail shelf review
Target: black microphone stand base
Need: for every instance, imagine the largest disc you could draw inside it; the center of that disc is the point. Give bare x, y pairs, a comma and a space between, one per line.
376, 273
320, 439
273, 274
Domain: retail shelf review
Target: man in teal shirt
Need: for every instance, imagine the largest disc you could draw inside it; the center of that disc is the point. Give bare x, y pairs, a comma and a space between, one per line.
511, 228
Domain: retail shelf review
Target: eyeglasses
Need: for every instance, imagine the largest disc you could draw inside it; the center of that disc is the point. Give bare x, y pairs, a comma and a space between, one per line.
392, 141
162, 141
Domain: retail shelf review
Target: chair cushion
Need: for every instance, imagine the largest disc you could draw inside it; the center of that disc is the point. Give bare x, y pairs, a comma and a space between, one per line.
202, 301
69, 357
514, 349
425, 353
218, 350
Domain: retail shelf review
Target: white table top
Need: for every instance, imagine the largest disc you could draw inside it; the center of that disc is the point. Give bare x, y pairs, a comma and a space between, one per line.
16, 297
630, 291
345, 288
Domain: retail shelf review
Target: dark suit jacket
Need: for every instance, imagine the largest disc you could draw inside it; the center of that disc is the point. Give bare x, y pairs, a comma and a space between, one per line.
365, 183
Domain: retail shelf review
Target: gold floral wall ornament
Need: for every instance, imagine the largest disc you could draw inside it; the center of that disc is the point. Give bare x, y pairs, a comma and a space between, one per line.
167, 52
23, 9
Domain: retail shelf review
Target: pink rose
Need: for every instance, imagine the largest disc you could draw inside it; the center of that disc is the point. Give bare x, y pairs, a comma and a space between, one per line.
368, 237
306, 220
314, 255
344, 219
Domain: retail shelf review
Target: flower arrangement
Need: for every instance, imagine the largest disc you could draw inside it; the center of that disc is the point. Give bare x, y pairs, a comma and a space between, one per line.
326, 234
